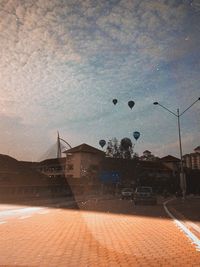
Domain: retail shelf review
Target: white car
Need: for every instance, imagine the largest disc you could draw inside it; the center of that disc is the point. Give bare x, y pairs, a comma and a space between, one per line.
127, 193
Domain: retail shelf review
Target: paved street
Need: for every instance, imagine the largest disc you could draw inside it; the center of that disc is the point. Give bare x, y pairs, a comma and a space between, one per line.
188, 212
101, 233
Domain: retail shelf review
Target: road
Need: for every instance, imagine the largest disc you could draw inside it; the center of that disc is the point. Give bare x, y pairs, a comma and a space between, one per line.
100, 233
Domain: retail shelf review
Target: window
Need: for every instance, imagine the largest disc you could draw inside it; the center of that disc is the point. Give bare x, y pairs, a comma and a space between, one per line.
94, 167
70, 167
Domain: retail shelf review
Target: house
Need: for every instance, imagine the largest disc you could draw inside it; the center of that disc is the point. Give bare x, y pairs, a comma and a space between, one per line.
158, 175
172, 163
81, 160
54, 168
82, 167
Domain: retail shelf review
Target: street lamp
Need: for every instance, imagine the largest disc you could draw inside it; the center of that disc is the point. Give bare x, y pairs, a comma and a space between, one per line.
178, 115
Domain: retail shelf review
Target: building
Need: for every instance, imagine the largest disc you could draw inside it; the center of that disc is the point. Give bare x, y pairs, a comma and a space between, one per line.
117, 173
82, 160
88, 169
54, 168
82, 167
192, 160
19, 181
157, 174
172, 163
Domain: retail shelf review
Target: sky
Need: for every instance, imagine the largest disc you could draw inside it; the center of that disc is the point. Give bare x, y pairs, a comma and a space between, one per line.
62, 62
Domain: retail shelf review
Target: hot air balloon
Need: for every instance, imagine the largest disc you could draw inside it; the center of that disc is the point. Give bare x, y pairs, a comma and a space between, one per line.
131, 104
102, 143
114, 101
136, 135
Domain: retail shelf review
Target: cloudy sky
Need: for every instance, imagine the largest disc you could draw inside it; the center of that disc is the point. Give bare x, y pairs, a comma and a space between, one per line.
63, 61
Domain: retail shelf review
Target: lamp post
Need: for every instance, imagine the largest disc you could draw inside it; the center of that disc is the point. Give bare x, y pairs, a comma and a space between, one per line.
178, 115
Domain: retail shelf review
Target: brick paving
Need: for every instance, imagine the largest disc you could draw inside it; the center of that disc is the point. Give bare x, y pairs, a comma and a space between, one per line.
107, 233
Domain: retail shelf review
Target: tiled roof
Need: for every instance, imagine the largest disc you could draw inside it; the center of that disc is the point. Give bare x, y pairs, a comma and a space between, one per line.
84, 148
170, 158
54, 161
153, 165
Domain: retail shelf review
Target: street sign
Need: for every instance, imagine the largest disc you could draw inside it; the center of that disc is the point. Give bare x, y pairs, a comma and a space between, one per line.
110, 177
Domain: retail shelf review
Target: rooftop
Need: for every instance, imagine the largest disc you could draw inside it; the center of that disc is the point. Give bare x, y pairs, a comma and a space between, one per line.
170, 158
197, 149
146, 164
85, 149
54, 161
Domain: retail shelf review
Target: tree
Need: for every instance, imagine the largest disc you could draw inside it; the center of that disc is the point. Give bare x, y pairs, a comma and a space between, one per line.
147, 155
124, 149
113, 149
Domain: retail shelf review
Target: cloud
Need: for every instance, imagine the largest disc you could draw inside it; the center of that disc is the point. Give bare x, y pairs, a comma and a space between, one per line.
173, 147
147, 26
195, 5
62, 62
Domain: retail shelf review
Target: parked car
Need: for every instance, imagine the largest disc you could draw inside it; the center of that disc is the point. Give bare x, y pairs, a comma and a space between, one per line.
144, 194
127, 193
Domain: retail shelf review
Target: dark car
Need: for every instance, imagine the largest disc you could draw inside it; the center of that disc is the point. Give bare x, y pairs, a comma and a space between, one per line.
144, 194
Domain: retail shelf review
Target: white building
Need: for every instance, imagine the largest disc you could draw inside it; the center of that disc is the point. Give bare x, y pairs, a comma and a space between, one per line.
192, 160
